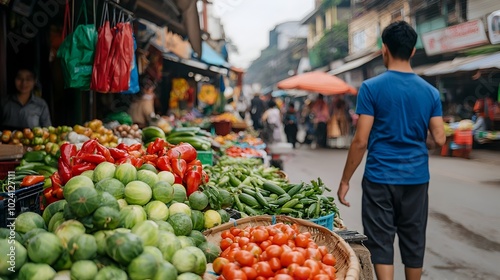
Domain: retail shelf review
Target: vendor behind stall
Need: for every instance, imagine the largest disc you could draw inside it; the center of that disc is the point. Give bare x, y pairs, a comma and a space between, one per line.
24, 109
142, 109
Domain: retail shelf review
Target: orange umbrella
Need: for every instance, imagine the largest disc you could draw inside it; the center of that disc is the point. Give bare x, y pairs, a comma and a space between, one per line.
319, 82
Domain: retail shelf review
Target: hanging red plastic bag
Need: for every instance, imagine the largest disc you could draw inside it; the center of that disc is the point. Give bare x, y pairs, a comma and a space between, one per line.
100, 81
122, 58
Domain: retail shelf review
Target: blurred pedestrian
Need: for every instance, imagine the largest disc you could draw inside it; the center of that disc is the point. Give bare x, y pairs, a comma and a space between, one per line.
257, 108
397, 109
272, 123
321, 117
291, 124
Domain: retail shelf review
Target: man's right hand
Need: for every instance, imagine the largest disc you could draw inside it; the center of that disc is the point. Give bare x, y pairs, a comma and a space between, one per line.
342, 192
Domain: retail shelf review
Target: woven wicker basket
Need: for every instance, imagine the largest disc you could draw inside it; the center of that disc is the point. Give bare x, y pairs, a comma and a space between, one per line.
347, 262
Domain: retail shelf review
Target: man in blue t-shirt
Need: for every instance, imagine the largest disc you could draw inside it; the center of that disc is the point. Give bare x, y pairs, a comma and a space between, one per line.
397, 109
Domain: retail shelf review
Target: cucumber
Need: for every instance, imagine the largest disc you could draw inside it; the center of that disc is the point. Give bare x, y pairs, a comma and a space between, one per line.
273, 188
248, 200
151, 132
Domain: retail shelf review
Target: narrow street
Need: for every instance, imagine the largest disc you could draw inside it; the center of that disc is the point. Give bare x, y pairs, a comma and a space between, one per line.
463, 233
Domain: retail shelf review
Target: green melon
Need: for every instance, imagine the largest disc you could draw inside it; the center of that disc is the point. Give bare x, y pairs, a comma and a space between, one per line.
180, 194
198, 220
210, 250
186, 241
106, 218
226, 198
82, 247
109, 200
148, 177
27, 221
111, 273
126, 173
83, 201
197, 237
224, 215
198, 200
124, 247
148, 232
163, 191
45, 248
165, 271
56, 220
112, 186
36, 271
52, 209
143, 267
181, 223
165, 226
104, 170
75, 183
63, 262
169, 245
84, 270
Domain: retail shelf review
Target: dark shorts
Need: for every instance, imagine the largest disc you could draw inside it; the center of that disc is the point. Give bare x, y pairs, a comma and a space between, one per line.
391, 209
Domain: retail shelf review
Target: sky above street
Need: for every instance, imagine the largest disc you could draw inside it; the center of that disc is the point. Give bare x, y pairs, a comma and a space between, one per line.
248, 22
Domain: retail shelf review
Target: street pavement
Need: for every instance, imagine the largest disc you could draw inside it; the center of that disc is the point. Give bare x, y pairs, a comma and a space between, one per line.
463, 232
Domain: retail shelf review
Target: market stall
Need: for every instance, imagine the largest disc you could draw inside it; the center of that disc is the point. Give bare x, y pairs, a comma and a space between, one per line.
139, 211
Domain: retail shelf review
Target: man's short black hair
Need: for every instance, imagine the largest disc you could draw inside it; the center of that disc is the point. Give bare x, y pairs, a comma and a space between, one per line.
400, 38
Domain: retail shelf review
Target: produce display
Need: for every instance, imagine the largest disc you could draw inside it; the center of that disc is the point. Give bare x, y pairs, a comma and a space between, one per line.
198, 138
116, 222
279, 252
39, 138
236, 151
260, 190
96, 130
128, 131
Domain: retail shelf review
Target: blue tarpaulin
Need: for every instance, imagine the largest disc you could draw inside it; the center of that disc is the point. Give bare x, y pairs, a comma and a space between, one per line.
210, 56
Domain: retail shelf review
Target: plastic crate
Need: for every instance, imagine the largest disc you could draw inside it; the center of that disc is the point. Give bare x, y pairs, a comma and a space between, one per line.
463, 137
326, 221
26, 200
206, 157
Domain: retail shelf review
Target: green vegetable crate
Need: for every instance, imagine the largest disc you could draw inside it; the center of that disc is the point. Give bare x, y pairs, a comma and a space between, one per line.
326, 221
206, 157
22, 200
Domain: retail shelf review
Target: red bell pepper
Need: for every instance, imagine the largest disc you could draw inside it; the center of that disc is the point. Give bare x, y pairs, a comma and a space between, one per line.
89, 146
151, 158
163, 164
193, 180
118, 153
67, 152
135, 147
156, 146
195, 162
57, 185
30, 180
92, 158
184, 150
49, 195
64, 171
105, 152
122, 146
178, 179
78, 169
123, 160
205, 177
137, 162
179, 166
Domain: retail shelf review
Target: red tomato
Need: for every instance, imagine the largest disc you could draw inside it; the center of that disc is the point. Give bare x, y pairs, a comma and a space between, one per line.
229, 267
275, 264
286, 248
244, 233
225, 243
254, 249
302, 273
321, 277
263, 257
280, 238
227, 234
291, 268
265, 244
234, 246
272, 231
329, 259
244, 258
301, 250
307, 234
301, 240
282, 271
235, 231
283, 277
315, 267
330, 271
236, 274
250, 272
231, 254
243, 241
291, 244
261, 278
219, 264
312, 244
260, 235
288, 258
263, 269
274, 251
313, 254
323, 250
225, 253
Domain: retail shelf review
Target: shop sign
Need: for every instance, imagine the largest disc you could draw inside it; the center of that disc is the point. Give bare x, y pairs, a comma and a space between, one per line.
454, 38
494, 27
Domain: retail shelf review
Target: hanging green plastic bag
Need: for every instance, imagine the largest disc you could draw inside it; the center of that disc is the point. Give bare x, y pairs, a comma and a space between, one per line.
77, 55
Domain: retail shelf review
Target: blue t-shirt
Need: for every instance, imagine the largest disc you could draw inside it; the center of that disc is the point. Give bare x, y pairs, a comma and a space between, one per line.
402, 105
